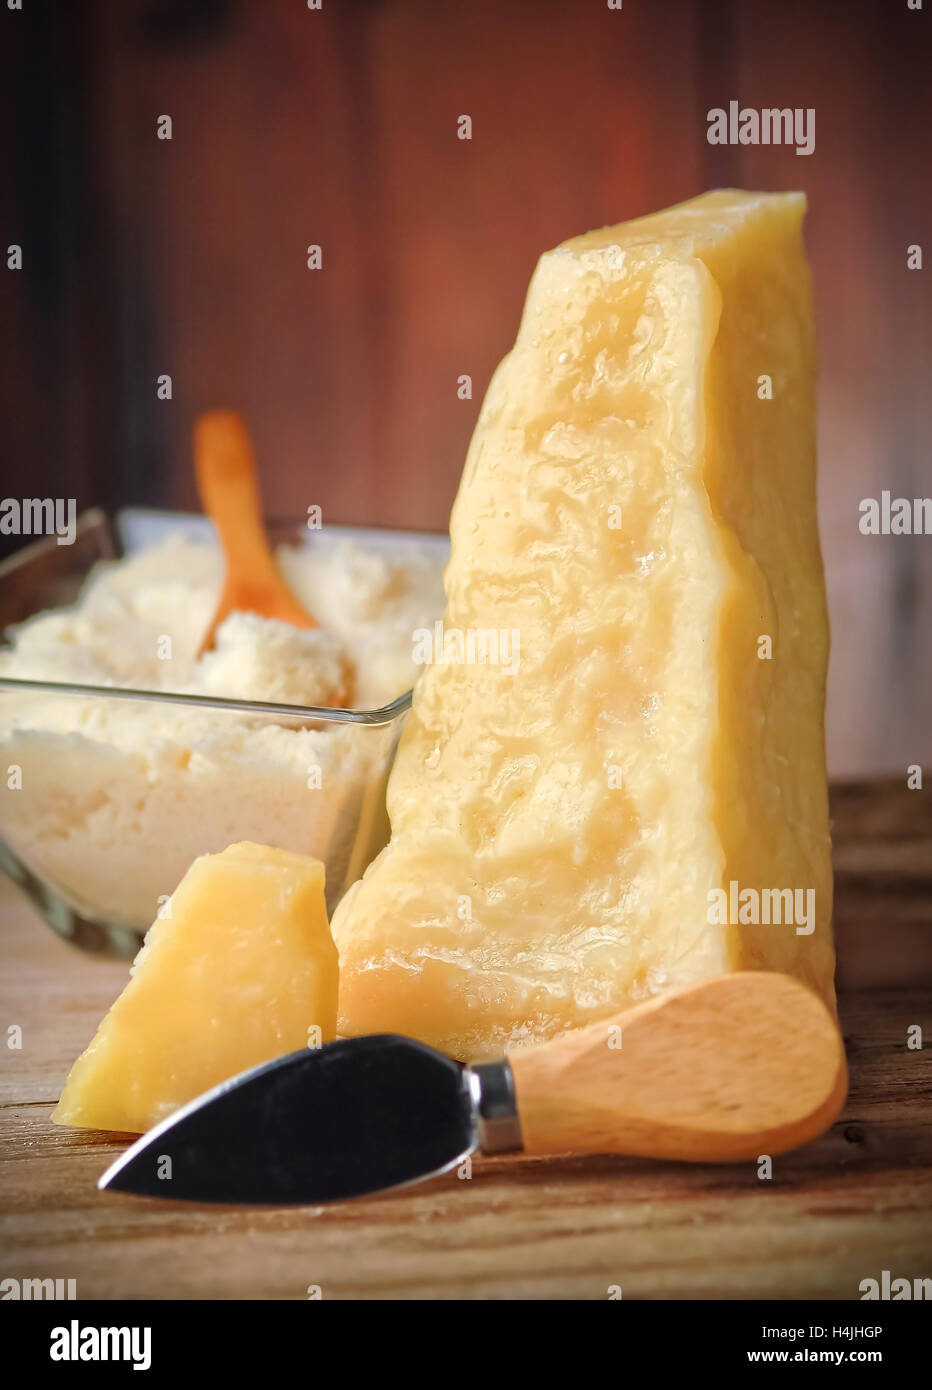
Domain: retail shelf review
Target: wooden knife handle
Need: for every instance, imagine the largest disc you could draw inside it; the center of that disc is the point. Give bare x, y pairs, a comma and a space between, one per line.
743, 1065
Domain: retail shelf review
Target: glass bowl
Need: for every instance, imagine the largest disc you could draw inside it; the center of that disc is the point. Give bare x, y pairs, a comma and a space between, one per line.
111, 792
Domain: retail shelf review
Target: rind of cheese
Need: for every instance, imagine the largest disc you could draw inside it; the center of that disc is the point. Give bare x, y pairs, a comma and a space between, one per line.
240, 970
638, 512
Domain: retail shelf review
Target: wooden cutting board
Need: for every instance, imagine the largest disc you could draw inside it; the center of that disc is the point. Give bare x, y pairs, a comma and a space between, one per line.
856, 1202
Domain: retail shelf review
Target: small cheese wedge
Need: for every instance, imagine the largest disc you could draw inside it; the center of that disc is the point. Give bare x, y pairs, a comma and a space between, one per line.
241, 969
615, 760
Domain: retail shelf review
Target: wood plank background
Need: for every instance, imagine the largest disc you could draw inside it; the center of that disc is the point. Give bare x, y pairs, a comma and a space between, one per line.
338, 127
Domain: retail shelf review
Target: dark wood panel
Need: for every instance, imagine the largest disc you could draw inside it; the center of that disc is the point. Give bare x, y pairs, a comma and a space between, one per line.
864, 69
563, 139
338, 127
59, 342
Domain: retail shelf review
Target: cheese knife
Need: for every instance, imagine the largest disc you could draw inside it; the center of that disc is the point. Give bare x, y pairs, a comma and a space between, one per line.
741, 1065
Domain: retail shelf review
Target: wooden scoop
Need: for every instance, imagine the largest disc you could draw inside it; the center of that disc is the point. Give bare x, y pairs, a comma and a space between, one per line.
225, 469
742, 1065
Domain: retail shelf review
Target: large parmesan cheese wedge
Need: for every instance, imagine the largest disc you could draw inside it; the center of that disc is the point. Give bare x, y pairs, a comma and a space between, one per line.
594, 822
241, 969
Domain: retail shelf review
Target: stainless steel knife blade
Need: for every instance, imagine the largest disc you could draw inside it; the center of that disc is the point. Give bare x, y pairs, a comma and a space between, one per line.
349, 1118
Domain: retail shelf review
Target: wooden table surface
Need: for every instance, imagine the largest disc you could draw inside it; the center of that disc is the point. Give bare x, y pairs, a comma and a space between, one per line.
856, 1202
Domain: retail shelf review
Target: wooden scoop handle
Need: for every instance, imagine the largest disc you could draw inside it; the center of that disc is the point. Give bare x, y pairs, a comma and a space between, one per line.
742, 1065
228, 486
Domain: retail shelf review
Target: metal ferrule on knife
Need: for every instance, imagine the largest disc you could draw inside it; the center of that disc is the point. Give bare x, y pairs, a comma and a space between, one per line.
492, 1091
